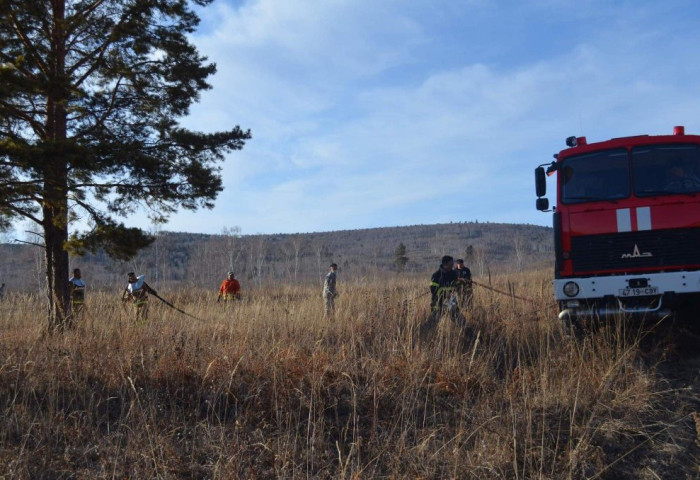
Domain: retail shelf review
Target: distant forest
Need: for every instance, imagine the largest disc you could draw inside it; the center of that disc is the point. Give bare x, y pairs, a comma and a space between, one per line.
177, 260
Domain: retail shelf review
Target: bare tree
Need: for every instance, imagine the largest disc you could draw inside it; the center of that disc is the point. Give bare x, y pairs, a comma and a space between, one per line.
260, 248
376, 252
437, 245
321, 251
155, 232
298, 243
36, 239
519, 246
208, 260
480, 259
287, 251
232, 250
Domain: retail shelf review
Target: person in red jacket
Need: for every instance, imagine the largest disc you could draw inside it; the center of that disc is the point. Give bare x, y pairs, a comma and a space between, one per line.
230, 288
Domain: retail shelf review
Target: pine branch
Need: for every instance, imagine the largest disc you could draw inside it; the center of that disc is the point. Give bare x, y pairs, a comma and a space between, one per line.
28, 44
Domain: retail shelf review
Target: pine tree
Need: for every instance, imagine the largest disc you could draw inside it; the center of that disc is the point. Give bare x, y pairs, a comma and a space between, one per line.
90, 96
400, 258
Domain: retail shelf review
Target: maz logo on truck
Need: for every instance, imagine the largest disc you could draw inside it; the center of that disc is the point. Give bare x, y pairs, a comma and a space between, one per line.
636, 253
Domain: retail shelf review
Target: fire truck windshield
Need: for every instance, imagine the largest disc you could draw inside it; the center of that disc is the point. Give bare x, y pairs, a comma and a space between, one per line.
666, 170
593, 177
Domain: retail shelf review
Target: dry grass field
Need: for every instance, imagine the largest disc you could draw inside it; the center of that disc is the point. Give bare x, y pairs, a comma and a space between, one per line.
271, 389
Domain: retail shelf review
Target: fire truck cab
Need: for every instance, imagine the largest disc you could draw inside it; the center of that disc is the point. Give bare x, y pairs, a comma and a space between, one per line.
626, 225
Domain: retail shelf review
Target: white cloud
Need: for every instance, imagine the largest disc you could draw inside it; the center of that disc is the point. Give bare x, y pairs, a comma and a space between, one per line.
302, 36
341, 139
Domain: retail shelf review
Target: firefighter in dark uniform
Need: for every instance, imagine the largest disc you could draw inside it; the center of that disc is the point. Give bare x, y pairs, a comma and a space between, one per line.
444, 286
464, 290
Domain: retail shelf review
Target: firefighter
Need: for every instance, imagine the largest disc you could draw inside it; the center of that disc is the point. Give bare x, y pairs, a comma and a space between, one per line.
329, 290
444, 284
77, 294
464, 290
230, 288
137, 292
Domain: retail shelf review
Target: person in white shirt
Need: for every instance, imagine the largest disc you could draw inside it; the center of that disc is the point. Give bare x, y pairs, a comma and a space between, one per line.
137, 292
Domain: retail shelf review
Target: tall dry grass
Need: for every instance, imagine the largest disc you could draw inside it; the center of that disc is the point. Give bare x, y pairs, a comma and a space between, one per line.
269, 388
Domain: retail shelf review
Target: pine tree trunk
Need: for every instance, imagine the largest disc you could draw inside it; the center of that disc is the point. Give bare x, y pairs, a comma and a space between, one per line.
55, 235
55, 205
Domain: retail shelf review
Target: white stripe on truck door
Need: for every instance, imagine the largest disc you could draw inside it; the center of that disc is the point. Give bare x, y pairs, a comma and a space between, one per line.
643, 218
624, 222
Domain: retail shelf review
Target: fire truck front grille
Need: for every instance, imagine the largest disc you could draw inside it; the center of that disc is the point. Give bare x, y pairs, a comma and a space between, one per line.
631, 250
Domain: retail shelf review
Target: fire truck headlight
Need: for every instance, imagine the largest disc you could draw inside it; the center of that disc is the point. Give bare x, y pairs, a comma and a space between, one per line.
571, 289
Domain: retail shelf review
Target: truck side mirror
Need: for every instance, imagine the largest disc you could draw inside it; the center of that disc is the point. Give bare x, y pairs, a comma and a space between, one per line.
542, 204
540, 182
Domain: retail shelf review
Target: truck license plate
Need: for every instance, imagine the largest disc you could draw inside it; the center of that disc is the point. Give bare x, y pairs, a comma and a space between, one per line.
639, 292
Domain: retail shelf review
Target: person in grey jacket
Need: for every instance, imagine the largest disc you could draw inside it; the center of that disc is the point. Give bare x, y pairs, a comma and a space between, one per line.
329, 290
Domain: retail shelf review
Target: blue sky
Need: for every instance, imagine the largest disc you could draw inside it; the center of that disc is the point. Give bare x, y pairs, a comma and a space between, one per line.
382, 113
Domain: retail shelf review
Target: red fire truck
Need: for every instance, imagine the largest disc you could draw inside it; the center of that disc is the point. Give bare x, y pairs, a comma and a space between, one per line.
626, 225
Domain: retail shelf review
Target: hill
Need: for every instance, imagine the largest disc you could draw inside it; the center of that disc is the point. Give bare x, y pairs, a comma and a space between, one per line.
189, 259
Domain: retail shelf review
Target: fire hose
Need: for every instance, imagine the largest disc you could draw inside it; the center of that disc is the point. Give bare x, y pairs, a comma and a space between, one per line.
173, 306
488, 287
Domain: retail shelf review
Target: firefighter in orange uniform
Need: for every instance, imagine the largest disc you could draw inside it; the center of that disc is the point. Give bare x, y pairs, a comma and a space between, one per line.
230, 288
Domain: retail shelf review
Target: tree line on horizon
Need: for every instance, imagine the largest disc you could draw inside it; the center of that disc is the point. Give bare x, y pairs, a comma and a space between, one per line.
194, 260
